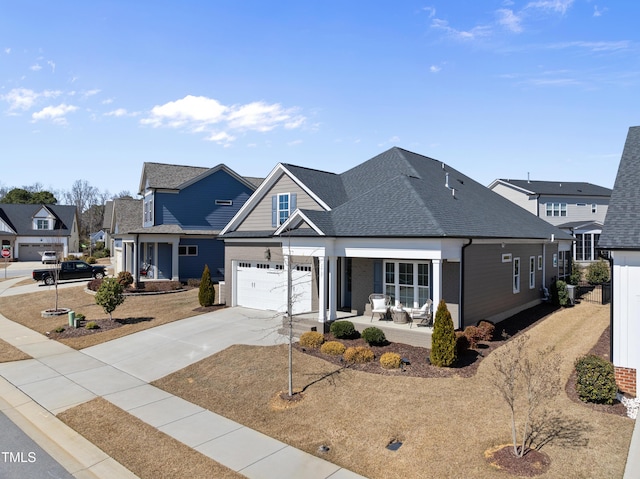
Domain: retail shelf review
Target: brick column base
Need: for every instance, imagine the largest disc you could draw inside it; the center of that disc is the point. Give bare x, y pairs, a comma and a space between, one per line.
626, 380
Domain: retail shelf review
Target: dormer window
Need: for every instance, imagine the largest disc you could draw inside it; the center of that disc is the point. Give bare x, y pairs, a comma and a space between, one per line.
43, 224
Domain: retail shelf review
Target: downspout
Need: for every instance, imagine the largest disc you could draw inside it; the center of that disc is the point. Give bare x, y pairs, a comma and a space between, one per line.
136, 255
461, 300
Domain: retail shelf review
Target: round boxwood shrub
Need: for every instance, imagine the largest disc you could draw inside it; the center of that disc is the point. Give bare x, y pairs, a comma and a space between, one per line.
358, 354
333, 348
486, 330
562, 292
311, 339
390, 360
598, 272
343, 329
373, 336
596, 381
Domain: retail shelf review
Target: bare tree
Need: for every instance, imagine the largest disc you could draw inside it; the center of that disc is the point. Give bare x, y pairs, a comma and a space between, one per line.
525, 379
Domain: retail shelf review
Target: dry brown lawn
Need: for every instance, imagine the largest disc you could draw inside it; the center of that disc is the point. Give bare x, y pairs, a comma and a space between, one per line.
445, 424
144, 312
10, 353
145, 451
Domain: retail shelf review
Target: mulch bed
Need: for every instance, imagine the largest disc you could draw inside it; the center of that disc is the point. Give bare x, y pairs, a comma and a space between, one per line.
107, 324
532, 463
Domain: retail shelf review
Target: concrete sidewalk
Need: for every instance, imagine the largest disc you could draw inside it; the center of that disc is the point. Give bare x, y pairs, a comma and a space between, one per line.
58, 378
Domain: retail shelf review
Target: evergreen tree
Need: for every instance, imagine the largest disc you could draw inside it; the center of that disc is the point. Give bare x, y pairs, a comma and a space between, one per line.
443, 339
206, 294
110, 295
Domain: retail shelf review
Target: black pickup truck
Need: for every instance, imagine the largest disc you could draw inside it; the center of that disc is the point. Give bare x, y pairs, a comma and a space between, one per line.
69, 270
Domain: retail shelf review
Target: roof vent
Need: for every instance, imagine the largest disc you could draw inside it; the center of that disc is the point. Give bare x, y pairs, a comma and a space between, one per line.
446, 180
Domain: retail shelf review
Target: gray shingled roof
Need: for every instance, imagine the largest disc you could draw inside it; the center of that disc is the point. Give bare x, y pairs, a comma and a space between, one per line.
172, 177
128, 215
402, 194
561, 188
621, 228
108, 214
20, 218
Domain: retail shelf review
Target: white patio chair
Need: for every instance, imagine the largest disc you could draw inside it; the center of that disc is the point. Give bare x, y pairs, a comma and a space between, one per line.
424, 314
379, 304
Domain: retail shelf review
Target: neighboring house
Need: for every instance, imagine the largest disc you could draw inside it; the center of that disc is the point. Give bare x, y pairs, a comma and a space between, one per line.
575, 207
97, 237
32, 229
399, 223
171, 233
621, 236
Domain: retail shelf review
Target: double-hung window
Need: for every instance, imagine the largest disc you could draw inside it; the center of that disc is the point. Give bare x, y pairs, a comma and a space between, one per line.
283, 208
516, 275
407, 282
282, 205
556, 209
532, 272
42, 224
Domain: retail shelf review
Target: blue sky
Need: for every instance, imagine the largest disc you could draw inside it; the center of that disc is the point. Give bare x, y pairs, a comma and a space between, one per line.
497, 89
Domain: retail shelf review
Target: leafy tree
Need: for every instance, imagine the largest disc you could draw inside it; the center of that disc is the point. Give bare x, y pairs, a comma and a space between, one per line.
23, 196
525, 379
206, 294
443, 339
110, 295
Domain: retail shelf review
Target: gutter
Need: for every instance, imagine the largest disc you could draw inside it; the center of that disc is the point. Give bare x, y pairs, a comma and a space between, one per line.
461, 300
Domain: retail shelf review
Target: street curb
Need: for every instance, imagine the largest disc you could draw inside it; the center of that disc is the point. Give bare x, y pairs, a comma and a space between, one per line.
77, 455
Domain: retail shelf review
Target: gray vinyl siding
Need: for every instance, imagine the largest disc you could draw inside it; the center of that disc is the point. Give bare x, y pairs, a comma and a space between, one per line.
260, 217
518, 197
574, 212
488, 282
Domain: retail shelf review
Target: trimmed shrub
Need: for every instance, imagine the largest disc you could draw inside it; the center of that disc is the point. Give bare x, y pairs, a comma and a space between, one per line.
576, 272
562, 293
443, 339
596, 381
598, 272
462, 343
358, 354
80, 316
473, 335
110, 296
373, 336
92, 260
343, 329
390, 360
206, 294
333, 348
125, 278
59, 329
311, 339
486, 330
94, 284
92, 325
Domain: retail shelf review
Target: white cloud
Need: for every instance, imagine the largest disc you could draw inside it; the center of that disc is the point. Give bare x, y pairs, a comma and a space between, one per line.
559, 6
7, 51
294, 143
434, 68
431, 11
35, 67
199, 114
54, 113
509, 20
52, 65
594, 46
88, 93
597, 12
476, 32
118, 112
24, 99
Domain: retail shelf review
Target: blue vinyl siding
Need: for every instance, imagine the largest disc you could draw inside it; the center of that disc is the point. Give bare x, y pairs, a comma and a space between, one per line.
210, 252
194, 207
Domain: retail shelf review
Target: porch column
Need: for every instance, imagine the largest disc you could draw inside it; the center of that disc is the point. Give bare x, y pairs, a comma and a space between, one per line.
175, 261
333, 287
437, 282
322, 289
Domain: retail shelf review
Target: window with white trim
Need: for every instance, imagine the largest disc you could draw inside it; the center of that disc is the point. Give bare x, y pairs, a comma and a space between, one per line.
516, 275
556, 209
283, 207
540, 263
532, 272
224, 202
43, 224
407, 282
188, 250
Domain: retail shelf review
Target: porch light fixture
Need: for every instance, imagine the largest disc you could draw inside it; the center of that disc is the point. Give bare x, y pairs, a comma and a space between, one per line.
267, 254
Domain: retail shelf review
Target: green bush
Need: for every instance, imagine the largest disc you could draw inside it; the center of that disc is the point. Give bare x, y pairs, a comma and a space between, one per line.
373, 336
311, 339
91, 325
59, 329
576, 272
92, 260
596, 381
333, 348
79, 316
562, 293
109, 295
443, 339
207, 293
390, 360
343, 329
598, 272
358, 354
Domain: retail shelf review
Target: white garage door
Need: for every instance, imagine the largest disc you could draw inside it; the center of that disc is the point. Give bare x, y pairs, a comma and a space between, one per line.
262, 285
